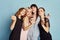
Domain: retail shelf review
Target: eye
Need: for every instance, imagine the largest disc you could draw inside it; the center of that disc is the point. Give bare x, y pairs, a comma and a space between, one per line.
41, 10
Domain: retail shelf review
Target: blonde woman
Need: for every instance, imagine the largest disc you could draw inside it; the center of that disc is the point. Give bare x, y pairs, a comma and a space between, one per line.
26, 24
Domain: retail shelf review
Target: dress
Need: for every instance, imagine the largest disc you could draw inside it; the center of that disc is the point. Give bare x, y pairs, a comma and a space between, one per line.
15, 34
23, 35
43, 34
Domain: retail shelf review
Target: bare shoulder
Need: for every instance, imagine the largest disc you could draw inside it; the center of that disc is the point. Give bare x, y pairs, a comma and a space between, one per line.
13, 16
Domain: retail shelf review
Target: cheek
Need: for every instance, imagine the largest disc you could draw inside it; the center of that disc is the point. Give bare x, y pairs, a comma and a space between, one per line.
27, 14
30, 14
35, 9
24, 13
40, 13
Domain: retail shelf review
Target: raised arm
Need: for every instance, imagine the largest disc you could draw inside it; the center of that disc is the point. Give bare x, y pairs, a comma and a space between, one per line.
46, 24
13, 22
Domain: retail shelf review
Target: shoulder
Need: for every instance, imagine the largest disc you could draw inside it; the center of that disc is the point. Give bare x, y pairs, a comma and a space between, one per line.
13, 16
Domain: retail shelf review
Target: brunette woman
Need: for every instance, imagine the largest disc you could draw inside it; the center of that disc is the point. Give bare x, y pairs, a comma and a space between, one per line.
16, 25
33, 33
44, 25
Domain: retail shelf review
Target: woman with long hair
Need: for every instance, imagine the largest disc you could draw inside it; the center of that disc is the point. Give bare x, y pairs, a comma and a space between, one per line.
26, 24
44, 25
33, 33
17, 21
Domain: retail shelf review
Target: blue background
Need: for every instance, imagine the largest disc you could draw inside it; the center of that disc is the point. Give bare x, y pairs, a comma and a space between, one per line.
9, 8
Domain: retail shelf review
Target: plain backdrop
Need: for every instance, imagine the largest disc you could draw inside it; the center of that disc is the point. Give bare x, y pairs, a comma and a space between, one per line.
10, 7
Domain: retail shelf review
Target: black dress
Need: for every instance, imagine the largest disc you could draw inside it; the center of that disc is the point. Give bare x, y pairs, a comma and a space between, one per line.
15, 34
43, 34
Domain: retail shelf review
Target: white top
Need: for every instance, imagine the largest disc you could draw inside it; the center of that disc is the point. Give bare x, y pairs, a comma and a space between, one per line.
23, 35
34, 33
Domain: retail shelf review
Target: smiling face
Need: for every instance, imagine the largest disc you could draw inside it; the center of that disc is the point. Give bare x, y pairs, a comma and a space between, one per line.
41, 12
29, 12
23, 12
34, 9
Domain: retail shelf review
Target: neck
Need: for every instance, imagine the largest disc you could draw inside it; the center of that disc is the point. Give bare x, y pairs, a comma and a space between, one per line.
42, 17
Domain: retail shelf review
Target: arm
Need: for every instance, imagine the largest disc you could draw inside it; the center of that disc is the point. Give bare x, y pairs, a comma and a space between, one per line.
46, 25
27, 27
13, 22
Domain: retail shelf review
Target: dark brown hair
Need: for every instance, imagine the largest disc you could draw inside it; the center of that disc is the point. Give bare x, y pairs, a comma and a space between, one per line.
46, 19
34, 5
42, 8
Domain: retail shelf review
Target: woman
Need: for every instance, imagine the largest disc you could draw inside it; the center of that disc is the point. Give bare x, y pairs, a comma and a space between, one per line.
27, 21
34, 12
26, 24
16, 25
33, 33
44, 25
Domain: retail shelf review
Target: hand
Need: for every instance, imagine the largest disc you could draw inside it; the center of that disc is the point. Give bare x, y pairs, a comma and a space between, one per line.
13, 18
32, 20
48, 16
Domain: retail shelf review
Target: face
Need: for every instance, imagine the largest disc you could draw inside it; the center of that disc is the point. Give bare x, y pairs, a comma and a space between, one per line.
41, 12
34, 9
23, 12
29, 12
